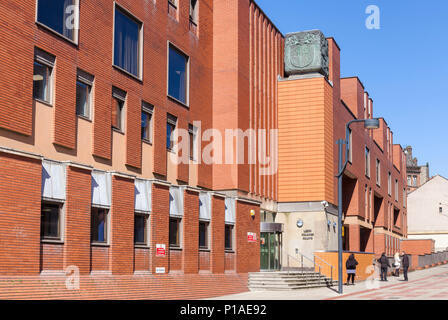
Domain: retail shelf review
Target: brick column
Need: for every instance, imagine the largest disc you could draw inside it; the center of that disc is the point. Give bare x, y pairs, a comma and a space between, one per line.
102, 123
20, 203
217, 257
354, 234
77, 219
191, 232
122, 225
183, 171
133, 132
247, 253
159, 142
160, 216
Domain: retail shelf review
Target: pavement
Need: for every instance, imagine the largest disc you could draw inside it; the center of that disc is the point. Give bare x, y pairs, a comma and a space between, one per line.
427, 284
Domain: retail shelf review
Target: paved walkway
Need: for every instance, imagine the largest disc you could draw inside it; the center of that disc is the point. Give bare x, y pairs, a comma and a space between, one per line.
428, 284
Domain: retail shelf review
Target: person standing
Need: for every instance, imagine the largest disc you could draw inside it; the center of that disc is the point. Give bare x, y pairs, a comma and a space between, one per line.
350, 266
397, 264
405, 261
384, 262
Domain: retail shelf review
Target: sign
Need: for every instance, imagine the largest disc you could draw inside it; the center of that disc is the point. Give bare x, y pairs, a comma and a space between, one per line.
262, 240
308, 234
251, 237
160, 270
160, 250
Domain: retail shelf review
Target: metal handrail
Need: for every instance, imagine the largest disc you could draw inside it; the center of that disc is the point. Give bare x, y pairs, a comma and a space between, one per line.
311, 260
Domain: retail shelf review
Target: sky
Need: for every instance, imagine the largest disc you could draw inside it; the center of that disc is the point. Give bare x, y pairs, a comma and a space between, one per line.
403, 65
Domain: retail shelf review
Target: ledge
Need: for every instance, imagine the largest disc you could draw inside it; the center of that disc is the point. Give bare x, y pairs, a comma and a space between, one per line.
21, 153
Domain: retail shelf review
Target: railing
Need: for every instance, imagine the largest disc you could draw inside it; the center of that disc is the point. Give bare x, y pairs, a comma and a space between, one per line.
313, 261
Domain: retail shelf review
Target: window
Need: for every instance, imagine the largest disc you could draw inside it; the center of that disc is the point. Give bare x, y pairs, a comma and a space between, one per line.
194, 10
118, 101
389, 184
170, 127
409, 180
229, 237
178, 75
99, 225
203, 234
147, 110
50, 221
440, 210
175, 235
350, 146
396, 190
193, 143
43, 76
367, 156
84, 85
128, 40
404, 198
414, 181
141, 229
378, 172
61, 16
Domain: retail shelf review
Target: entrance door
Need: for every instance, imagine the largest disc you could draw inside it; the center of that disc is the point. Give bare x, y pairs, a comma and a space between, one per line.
270, 250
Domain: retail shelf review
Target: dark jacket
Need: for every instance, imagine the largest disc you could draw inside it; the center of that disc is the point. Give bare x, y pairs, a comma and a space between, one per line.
405, 260
384, 261
351, 263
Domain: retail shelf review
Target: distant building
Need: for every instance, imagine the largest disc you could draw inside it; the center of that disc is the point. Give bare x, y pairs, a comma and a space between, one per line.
417, 175
428, 212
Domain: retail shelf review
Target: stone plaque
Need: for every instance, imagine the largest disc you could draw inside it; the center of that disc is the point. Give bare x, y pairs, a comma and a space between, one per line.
306, 52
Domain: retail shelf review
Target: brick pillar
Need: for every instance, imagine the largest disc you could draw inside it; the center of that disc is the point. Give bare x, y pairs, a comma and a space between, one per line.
217, 257
20, 203
160, 218
191, 232
183, 171
133, 132
159, 142
122, 225
354, 237
247, 253
371, 242
77, 219
102, 123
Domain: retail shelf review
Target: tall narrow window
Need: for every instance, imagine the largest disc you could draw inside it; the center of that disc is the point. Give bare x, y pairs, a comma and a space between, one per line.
194, 12
61, 16
127, 42
84, 83
178, 75
170, 127
118, 102
193, 143
99, 225
147, 110
378, 172
43, 76
389, 184
141, 221
50, 221
175, 232
228, 237
396, 190
367, 160
203, 234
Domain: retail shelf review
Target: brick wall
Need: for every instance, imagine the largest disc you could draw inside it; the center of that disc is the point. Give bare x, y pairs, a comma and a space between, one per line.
417, 247
217, 257
191, 232
159, 224
247, 253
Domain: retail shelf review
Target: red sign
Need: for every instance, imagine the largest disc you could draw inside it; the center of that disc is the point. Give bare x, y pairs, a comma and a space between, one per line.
251, 237
160, 250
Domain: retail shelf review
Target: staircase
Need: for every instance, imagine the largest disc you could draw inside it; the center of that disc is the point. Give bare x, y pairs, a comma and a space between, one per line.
284, 280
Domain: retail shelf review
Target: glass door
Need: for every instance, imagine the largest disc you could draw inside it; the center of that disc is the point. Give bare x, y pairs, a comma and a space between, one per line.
270, 251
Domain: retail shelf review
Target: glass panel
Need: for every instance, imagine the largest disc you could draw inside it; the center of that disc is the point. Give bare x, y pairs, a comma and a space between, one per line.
40, 82
126, 43
99, 225
177, 84
203, 234
82, 99
117, 114
146, 120
169, 131
264, 251
56, 15
140, 229
50, 221
228, 237
174, 232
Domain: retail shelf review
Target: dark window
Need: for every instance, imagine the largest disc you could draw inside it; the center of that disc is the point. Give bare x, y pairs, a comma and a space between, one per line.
170, 127
50, 221
191, 134
127, 42
175, 232
57, 15
177, 76
99, 225
228, 237
147, 110
440, 210
42, 80
203, 234
194, 11
118, 100
83, 99
140, 229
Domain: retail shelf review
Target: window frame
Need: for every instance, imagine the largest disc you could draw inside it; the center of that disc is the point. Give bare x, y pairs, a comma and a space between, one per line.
187, 77
146, 229
75, 40
88, 80
232, 233
170, 121
120, 96
207, 235
396, 190
194, 13
61, 222
106, 227
48, 61
148, 109
367, 162
179, 221
141, 38
378, 172
389, 184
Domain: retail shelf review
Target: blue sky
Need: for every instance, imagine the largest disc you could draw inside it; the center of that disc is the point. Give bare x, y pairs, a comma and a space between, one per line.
403, 65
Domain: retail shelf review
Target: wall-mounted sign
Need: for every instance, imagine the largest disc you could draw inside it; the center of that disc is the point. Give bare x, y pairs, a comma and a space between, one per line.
307, 234
262, 241
160, 270
251, 237
160, 250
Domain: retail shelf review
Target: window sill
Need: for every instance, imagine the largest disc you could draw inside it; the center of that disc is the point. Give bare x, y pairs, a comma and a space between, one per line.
147, 142
84, 118
176, 248
229, 251
71, 41
139, 79
99, 244
178, 102
204, 250
48, 104
141, 246
117, 130
52, 241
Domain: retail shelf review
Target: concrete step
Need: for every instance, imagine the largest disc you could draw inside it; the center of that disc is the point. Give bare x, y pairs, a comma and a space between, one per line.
294, 287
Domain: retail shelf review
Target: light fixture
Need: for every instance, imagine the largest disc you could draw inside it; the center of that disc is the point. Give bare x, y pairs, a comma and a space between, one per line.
38, 77
371, 123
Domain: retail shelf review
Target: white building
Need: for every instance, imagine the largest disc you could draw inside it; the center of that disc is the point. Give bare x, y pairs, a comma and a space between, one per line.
428, 212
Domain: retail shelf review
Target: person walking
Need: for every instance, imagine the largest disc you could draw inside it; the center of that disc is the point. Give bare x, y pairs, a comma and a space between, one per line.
405, 261
350, 266
384, 262
397, 264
